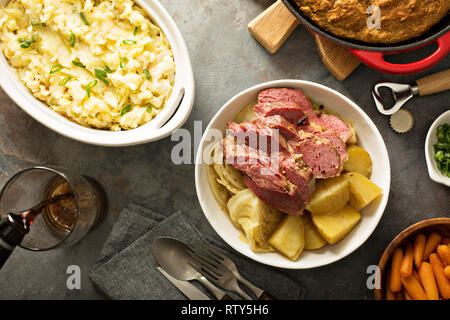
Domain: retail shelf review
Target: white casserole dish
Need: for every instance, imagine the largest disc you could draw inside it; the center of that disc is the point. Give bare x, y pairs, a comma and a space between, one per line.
368, 137
172, 117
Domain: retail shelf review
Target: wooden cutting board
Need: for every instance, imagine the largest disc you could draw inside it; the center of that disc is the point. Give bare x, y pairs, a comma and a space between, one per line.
272, 28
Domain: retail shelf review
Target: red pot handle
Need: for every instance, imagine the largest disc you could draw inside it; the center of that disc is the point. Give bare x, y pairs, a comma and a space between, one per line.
375, 59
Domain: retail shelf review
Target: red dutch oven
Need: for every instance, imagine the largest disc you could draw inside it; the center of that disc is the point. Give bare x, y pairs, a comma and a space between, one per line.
373, 54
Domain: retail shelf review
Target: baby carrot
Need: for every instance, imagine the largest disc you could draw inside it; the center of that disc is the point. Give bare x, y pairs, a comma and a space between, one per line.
443, 282
395, 282
432, 242
414, 288
447, 272
419, 247
406, 294
428, 281
406, 267
443, 252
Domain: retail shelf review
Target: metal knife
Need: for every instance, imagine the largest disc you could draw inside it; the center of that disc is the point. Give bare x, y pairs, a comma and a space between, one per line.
187, 288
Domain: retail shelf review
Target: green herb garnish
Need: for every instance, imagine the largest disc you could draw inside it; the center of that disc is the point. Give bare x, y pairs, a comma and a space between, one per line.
135, 30
442, 149
147, 75
65, 80
36, 38
78, 64
72, 40
83, 18
125, 109
89, 87
38, 24
123, 62
107, 69
25, 43
55, 68
102, 76
129, 42
149, 107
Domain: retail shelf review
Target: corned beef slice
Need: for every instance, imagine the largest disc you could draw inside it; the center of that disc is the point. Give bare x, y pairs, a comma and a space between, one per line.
299, 174
332, 123
288, 110
295, 96
318, 153
287, 130
287, 202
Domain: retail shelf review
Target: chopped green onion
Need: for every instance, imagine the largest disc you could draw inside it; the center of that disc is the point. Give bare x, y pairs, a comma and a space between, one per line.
55, 68
123, 62
107, 69
135, 30
36, 38
25, 43
149, 107
38, 24
125, 109
65, 80
442, 149
78, 64
129, 42
83, 18
147, 75
72, 40
102, 76
90, 86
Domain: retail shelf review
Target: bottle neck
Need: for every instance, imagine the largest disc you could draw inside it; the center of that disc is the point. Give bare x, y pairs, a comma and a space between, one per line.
12, 231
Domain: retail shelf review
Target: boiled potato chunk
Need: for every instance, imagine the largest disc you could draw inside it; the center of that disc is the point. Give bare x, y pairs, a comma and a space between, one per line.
313, 240
330, 195
358, 161
334, 227
362, 190
288, 238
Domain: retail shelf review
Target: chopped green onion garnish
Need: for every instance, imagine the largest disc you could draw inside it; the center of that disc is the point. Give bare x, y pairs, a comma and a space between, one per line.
123, 62
147, 75
129, 42
55, 68
125, 109
65, 80
149, 107
107, 69
72, 40
135, 30
78, 64
102, 76
38, 24
90, 86
25, 43
36, 38
83, 18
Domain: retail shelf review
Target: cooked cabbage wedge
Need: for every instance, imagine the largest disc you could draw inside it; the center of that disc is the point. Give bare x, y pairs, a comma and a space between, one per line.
256, 220
228, 176
289, 238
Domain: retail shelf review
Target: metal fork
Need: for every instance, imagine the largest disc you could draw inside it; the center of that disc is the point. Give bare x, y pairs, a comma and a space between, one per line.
223, 260
216, 273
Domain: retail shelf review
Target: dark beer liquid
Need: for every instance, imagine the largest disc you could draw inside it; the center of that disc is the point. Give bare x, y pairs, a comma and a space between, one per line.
60, 214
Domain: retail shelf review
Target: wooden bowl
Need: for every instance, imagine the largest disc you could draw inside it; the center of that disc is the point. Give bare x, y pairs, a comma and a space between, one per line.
438, 225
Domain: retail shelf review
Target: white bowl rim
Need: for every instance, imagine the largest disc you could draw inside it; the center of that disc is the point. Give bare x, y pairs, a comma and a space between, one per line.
430, 140
294, 83
177, 108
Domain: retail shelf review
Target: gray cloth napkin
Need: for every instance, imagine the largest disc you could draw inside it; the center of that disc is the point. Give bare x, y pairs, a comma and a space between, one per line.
126, 268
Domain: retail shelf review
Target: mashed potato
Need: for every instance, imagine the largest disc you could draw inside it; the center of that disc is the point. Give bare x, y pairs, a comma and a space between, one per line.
103, 64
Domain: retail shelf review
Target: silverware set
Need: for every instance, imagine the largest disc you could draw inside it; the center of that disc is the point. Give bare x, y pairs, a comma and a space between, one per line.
180, 263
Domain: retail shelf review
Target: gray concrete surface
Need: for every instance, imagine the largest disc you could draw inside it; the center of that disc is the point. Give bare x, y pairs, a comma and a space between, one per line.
226, 60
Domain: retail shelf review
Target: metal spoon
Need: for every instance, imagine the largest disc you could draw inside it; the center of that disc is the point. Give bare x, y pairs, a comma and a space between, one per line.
173, 255
401, 92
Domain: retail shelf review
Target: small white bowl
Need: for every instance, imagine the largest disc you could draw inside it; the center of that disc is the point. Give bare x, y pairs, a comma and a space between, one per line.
368, 137
177, 108
430, 141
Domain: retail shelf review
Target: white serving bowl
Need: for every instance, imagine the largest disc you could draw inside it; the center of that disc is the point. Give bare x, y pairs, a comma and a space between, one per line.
430, 141
177, 108
368, 138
